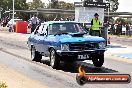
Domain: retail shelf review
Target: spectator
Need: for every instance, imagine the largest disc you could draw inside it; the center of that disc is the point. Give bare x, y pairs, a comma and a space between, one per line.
128, 30
34, 23
112, 29
10, 28
119, 29
95, 26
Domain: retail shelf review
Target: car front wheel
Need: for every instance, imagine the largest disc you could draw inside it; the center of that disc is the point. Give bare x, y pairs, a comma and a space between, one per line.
98, 60
35, 55
54, 59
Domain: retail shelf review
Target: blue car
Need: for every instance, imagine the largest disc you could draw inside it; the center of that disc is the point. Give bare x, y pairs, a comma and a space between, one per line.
65, 41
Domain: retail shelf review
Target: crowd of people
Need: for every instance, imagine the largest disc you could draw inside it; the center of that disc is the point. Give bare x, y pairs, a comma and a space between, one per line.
114, 29
120, 29
4, 21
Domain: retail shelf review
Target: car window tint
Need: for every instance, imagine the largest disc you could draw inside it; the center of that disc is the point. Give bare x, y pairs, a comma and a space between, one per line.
40, 29
55, 28
66, 28
45, 28
16, 20
36, 30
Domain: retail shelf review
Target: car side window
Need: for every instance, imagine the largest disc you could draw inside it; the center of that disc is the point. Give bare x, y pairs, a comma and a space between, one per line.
54, 28
36, 30
39, 30
45, 29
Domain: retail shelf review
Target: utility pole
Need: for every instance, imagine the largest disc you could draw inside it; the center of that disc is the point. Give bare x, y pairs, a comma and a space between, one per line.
49, 3
108, 12
0, 11
13, 17
13, 12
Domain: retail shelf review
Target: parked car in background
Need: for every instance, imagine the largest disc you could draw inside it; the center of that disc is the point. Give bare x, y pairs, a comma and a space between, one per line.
4, 21
124, 30
65, 41
13, 22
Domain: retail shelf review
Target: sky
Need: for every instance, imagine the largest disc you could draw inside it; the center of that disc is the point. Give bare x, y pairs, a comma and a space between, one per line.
124, 5
70, 0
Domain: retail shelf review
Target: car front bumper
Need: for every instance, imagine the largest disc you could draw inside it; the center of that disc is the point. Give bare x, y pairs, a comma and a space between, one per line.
74, 54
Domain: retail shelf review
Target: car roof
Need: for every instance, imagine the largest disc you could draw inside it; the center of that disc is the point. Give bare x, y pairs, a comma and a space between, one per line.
16, 19
53, 22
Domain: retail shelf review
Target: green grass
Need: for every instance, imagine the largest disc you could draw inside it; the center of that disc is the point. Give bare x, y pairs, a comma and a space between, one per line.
3, 85
123, 36
4, 29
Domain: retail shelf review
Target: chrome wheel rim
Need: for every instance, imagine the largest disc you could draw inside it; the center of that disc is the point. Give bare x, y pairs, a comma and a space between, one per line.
33, 53
52, 61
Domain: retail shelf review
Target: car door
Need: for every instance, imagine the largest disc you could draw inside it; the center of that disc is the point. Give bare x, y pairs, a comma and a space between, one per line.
41, 45
50, 39
38, 38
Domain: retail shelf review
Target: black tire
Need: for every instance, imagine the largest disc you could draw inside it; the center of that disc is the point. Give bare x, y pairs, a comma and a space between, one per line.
98, 60
35, 55
81, 80
69, 63
54, 59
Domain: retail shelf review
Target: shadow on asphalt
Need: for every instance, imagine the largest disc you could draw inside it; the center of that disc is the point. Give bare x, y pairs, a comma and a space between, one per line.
73, 68
115, 46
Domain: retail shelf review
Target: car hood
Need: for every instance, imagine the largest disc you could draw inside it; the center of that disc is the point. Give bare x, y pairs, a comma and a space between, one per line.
71, 38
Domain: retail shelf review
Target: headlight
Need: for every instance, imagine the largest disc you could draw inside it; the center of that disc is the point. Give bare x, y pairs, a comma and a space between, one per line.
101, 45
65, 47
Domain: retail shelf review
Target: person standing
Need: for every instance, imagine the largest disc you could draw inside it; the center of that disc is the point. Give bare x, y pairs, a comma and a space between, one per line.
34, 23
128, 30
95, 26
112, 29
119, 29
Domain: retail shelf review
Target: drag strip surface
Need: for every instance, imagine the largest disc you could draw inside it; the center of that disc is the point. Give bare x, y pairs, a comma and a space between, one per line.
17, 57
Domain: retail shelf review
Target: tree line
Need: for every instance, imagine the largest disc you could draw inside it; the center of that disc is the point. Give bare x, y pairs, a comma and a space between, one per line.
7, 5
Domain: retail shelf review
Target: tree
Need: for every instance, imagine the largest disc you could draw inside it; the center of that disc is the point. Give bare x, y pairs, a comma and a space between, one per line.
54, 4
36, 4
65, 6
128, 20
61, 5
8, 5
113, 5
120, 20
19, 4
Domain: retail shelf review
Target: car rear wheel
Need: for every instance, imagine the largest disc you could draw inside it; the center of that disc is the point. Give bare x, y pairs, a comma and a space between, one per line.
35, 55
54, 59
98, 60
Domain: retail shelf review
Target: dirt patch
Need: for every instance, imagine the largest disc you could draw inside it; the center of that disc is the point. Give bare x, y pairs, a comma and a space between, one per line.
14, 79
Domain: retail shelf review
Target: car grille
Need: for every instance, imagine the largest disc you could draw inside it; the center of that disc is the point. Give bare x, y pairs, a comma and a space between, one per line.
83, 46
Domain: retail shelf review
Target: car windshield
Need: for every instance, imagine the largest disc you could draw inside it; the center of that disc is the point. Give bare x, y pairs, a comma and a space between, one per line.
15, 20
11, 21
65, 28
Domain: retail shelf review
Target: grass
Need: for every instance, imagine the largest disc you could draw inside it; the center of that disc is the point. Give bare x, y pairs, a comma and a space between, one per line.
3, 85
123, 36
4, 28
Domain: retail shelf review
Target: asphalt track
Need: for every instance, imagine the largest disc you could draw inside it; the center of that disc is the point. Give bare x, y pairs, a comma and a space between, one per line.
16, 55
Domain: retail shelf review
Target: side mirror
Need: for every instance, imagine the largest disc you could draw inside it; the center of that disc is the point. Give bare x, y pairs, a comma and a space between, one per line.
47, 29
43, 34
